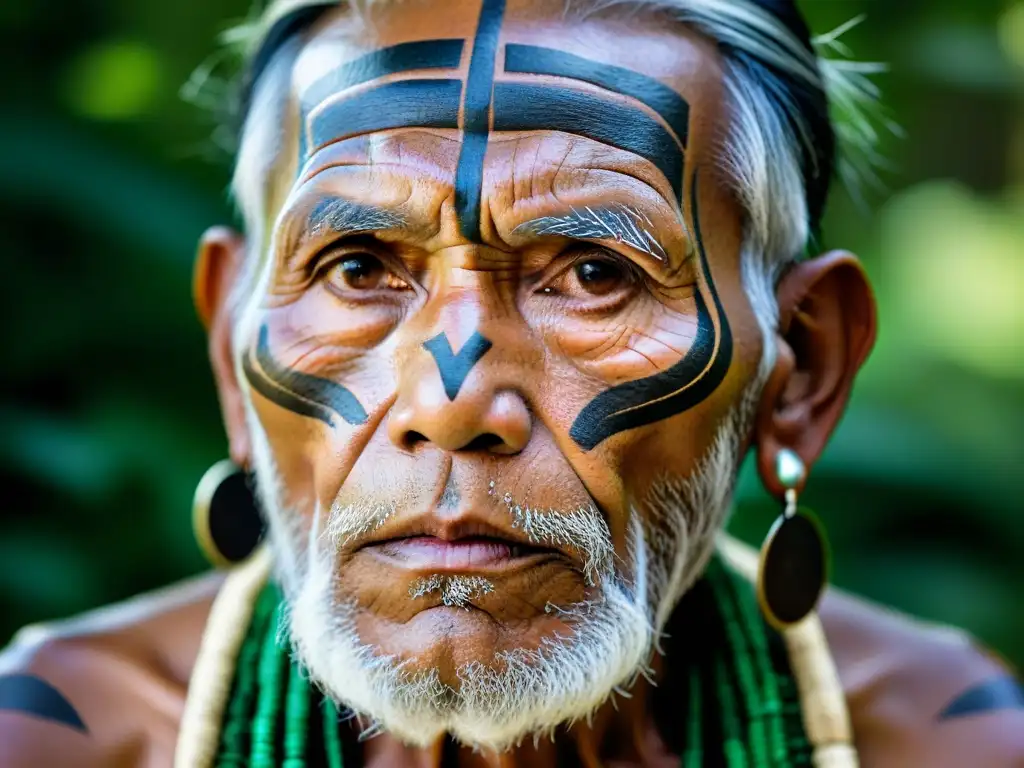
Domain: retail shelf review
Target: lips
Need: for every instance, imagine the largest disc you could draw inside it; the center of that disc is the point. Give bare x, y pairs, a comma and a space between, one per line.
468, 543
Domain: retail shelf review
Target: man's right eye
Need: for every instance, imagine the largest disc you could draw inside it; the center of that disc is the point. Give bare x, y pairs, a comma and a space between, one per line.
361, 271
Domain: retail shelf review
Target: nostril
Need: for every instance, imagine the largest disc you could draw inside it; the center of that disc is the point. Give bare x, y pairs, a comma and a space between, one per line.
484, 442
414, 438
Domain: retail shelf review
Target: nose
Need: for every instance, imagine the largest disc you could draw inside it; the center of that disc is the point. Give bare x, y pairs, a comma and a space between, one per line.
458, 402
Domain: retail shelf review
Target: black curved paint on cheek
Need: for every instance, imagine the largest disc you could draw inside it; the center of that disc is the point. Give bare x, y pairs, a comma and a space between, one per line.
298, 392
684, 385
1000, 693
454, 368
30, 695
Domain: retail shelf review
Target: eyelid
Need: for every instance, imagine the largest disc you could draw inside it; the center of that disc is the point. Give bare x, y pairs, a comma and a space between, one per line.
628, 265
325, 257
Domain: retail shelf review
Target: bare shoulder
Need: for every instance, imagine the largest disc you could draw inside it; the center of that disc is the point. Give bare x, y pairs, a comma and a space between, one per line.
920, 694
106, 688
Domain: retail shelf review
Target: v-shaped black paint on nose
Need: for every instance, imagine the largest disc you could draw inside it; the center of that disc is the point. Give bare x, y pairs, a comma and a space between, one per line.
454, 368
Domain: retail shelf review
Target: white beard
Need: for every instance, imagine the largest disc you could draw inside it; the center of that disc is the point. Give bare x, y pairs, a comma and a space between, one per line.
526, 692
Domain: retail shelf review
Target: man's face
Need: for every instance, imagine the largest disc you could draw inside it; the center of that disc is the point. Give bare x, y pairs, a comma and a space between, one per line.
500, 322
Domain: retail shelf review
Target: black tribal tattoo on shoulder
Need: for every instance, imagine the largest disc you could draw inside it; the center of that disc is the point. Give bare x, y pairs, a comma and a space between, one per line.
33, 696
997, 694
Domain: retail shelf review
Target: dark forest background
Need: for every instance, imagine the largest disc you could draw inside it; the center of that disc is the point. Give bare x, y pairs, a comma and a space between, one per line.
108, 415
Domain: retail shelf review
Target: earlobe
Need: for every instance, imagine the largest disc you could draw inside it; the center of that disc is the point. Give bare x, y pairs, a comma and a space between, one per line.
218, 263
827, 327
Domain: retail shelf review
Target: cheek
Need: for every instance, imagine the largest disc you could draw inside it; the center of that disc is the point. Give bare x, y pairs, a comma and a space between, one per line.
648, 339
319, 381
290, 441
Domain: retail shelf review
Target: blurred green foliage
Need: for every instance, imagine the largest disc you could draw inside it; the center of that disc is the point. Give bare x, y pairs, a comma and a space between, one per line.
108, 415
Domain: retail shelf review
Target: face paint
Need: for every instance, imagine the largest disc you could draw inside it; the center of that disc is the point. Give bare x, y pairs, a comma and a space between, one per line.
622, 223
534, 60
405, 57
521, 107
666, 394
300, 393
401, 104
990, 696
454, 368
470, 173
514, 107
32, 696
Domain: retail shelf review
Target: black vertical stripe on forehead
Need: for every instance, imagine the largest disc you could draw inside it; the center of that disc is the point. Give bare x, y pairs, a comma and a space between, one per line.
681, 387
401, 104
476, 115
298, 392
534, 60
521, 107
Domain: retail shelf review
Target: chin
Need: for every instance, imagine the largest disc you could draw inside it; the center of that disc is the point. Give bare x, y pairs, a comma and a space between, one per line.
487, 684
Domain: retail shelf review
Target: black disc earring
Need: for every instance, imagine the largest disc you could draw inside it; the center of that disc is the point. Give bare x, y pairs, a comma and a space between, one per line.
793, 568
225, 517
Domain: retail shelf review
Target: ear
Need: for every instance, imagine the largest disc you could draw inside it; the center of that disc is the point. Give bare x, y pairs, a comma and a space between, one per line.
218, 265
826, 330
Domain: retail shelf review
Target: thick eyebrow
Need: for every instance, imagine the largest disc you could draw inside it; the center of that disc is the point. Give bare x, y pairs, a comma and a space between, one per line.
340, 216
622, 223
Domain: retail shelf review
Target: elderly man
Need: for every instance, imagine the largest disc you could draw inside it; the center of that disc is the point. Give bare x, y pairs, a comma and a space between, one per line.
521, 284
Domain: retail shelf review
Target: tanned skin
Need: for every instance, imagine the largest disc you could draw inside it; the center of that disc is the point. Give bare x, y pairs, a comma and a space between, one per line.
459, 341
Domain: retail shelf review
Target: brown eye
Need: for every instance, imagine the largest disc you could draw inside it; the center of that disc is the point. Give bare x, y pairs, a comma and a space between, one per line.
599, 276
362, 272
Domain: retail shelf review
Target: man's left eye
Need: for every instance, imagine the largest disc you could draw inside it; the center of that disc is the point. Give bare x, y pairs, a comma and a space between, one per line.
598, 277
595, 277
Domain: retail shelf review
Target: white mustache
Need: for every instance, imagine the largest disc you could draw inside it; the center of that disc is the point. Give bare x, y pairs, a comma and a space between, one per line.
582, 529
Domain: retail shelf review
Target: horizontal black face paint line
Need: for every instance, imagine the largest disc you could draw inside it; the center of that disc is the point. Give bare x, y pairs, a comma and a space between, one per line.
469, 174
32, 696
671, 392
520, 107
534, 60
300, 393
990, 696
404, 57
454, 368
401, 104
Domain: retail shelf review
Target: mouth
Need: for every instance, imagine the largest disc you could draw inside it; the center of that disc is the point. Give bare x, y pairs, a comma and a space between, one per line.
468, 544
430, 552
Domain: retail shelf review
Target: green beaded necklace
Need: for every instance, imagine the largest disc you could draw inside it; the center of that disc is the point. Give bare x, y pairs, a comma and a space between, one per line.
737, 696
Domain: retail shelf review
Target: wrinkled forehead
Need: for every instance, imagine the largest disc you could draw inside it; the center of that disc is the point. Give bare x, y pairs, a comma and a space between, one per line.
637, 87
